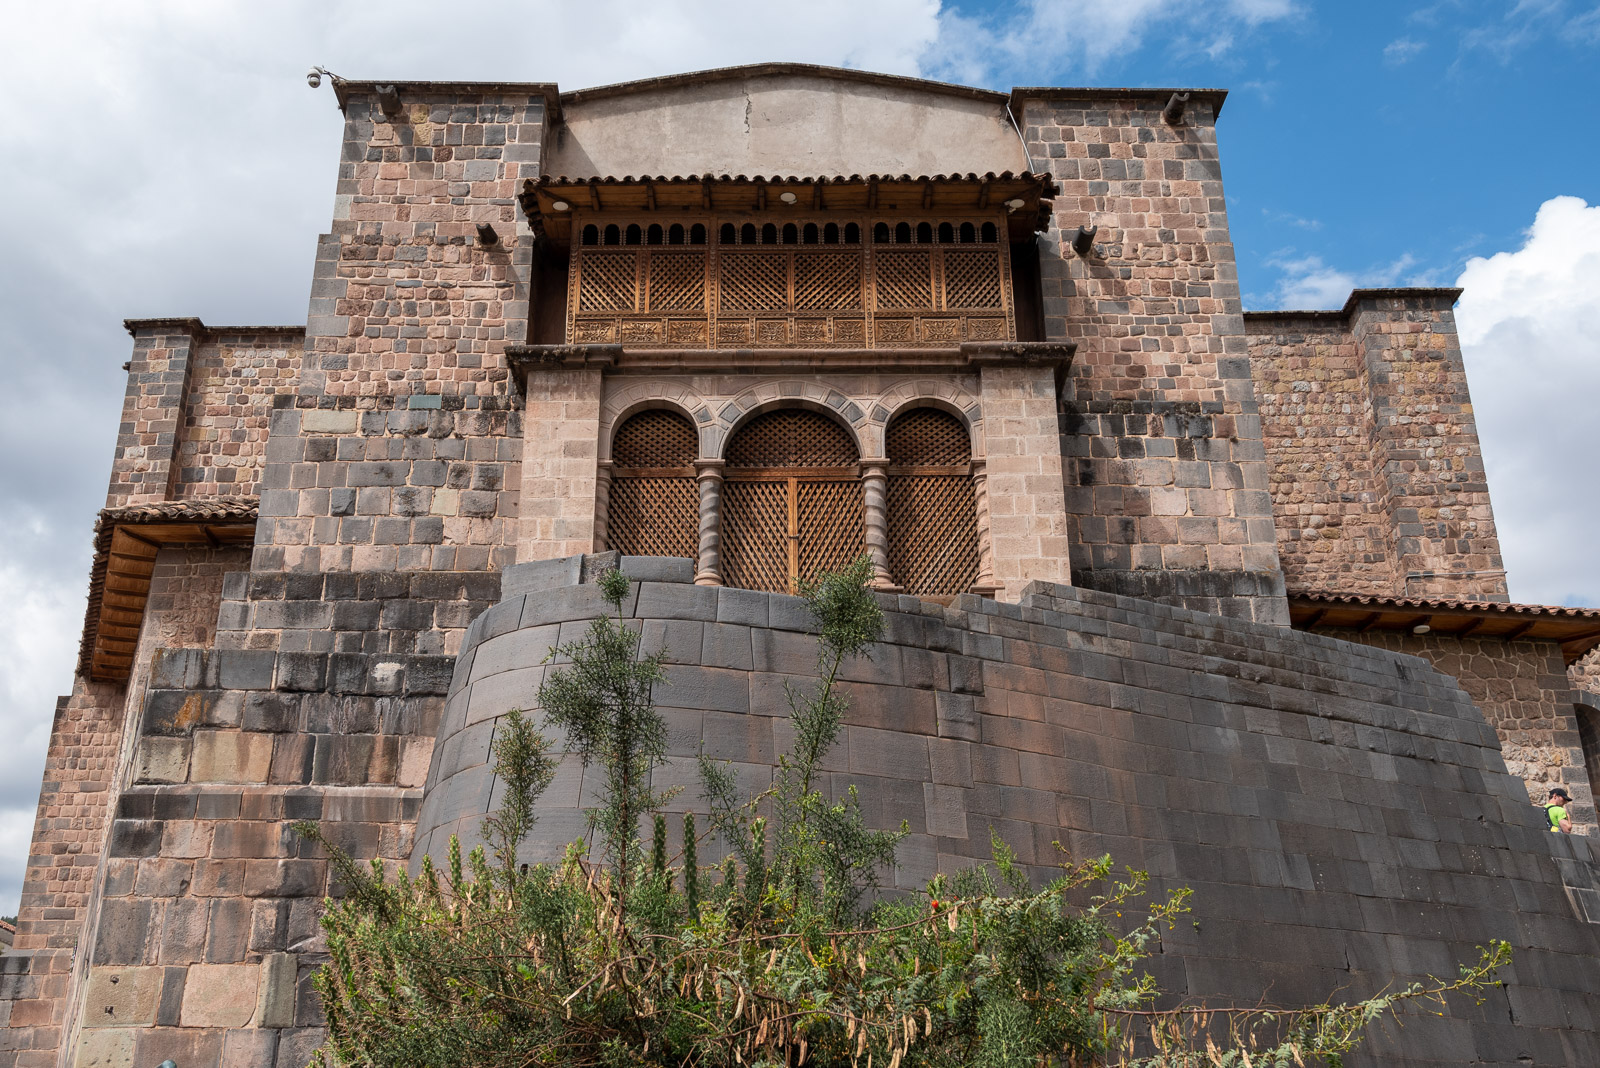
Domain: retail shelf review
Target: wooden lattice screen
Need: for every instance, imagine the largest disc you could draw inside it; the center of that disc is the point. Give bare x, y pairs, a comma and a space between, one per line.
933, 519
822, 282
654, 501
792, 504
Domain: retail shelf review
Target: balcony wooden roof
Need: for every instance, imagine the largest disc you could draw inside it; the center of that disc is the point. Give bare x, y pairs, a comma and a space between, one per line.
885, 195
126, 543
1577, 630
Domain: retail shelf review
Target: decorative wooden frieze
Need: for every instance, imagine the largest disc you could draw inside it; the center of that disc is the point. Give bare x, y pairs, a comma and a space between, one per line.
819, 283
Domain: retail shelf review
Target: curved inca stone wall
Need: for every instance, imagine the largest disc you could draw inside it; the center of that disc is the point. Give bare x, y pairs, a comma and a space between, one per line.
1342, 813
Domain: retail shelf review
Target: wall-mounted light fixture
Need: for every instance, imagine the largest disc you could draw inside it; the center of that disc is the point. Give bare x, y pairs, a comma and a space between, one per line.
1014, 205
389, 100
787, 197
560, 205
1083, 240
487, 235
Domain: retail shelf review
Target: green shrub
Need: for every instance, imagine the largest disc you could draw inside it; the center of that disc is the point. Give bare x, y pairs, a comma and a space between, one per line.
784, 955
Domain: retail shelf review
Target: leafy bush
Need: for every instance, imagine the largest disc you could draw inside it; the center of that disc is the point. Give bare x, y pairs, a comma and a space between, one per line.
784, 954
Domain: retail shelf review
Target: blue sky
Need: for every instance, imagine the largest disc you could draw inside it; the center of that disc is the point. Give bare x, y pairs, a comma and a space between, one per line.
166, 158
1373, 143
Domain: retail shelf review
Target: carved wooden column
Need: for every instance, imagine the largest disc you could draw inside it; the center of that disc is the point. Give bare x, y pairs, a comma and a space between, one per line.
602, 504
875, 492
985, 584
708, 473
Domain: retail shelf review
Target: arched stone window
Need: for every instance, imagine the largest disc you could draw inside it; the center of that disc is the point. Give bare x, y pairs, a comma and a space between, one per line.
931, 505
653, 502
791, 503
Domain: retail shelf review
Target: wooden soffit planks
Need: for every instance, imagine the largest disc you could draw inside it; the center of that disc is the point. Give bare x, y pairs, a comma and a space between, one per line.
1576, 630
127, 544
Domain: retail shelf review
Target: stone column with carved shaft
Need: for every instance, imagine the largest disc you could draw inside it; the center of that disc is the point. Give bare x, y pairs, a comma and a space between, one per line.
602, 505
875, 494
985, 584
709, 474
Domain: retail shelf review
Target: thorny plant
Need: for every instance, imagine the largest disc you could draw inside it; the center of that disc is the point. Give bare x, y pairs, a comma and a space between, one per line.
782, 956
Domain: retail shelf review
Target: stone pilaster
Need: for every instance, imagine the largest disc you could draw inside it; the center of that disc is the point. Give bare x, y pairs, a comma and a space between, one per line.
559, 464
1027, 508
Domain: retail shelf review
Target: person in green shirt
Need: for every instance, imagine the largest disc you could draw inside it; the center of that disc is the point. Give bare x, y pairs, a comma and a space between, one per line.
1555, 809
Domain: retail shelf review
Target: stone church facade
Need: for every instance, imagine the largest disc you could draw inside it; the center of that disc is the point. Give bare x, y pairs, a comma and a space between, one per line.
1217, 592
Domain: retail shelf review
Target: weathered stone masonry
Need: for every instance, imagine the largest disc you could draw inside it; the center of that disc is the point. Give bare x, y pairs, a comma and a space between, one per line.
1165, 471
1377, 476
1343, 810
1343, 813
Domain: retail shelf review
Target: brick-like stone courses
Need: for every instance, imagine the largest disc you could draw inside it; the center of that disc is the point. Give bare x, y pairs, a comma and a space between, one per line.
185, 593
1165, 475
403, 613
209, 913
1342, 812
405, 405
1331, 508
206, 935
233, 378
390, 490
142, 468
1445, 539
61, 887
69, 832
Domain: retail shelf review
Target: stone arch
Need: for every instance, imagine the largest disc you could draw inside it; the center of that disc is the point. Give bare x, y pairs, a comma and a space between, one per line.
637, 397
939, 393
765, 396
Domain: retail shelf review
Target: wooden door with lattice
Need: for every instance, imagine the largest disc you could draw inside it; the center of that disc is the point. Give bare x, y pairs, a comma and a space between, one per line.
791, 502
932, 510
653, 506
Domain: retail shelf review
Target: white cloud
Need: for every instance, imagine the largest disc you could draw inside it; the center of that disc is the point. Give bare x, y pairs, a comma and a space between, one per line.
1401, 50
1527, 320
1070, 40
1309, 283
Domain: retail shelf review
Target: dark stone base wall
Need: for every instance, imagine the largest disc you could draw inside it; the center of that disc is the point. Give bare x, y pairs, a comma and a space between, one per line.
1342, 813
1246, 595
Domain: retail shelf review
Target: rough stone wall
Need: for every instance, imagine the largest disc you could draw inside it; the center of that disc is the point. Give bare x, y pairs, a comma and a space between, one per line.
206, 935
404, 378
1331, 511
142, 468
36, 977
1523, 690
1342, 812
233, 377
1166, 477
1432, 467
1585, 674
1377, 474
